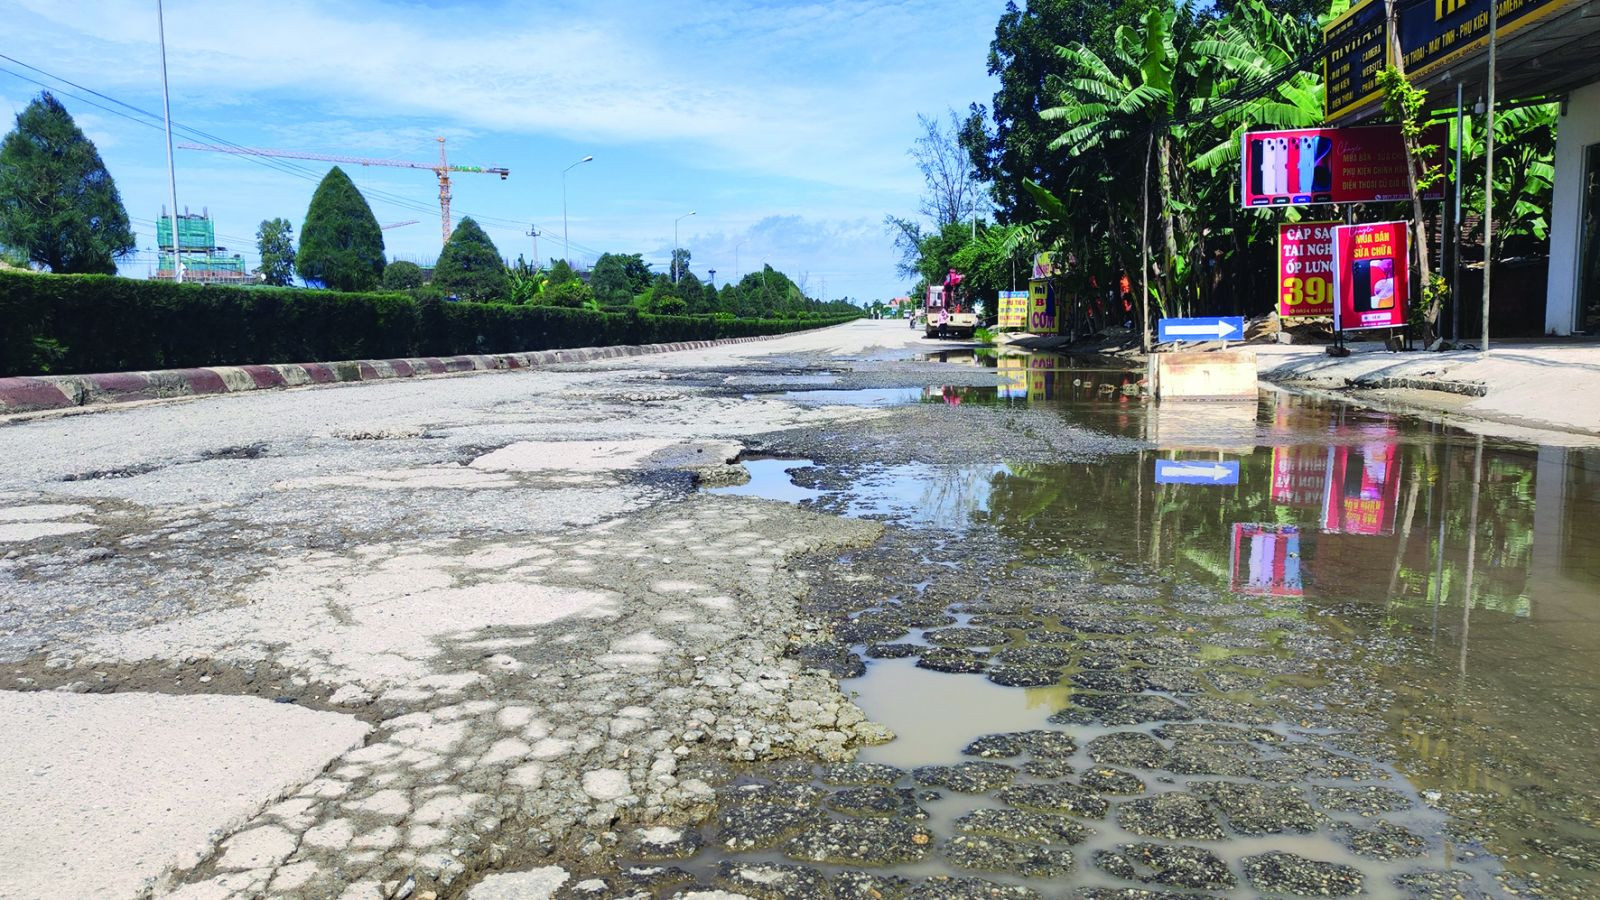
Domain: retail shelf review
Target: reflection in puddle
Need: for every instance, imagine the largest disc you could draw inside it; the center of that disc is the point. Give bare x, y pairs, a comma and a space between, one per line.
769, 480
862, 397
943, 497
1406, 610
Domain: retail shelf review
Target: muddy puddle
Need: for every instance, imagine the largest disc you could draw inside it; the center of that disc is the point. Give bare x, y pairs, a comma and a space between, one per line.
1364, 659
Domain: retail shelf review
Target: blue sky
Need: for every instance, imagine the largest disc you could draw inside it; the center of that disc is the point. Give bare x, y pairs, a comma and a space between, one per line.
784, 126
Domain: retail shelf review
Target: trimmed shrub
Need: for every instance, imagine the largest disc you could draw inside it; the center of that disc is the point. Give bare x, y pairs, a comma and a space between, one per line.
98, 323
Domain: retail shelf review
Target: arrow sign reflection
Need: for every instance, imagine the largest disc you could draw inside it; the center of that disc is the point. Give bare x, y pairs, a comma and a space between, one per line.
1178, 471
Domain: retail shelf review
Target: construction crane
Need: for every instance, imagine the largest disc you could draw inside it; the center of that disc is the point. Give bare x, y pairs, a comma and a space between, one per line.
442, 169
399, 224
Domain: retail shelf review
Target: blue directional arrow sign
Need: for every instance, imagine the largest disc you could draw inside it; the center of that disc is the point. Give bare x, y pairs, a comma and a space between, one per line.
1208, 328
1196, 471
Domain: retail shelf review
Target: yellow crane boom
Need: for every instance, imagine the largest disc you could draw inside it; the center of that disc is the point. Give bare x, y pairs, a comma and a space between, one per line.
442, 169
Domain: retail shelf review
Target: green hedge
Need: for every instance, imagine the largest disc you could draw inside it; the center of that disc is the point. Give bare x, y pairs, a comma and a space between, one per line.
63, 324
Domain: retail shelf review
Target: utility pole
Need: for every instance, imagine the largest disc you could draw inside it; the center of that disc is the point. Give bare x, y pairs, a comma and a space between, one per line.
1488, 175
172, 177
533, 232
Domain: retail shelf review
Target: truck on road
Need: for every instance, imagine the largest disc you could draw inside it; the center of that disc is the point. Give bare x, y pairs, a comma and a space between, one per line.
949, 314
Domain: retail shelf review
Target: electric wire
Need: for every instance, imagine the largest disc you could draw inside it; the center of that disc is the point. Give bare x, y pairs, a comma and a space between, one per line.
278, 164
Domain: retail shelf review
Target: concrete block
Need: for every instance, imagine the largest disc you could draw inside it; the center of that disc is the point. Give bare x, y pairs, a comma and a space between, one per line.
1198, 375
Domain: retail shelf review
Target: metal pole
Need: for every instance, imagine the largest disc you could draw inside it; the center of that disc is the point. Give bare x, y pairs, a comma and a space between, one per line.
1488, 177
1455, 237
675, 265
533, 232
566, 246
172, 176
736, 271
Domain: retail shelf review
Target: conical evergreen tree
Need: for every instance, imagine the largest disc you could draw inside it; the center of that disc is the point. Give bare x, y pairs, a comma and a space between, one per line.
341, 245
470, 266
58, 204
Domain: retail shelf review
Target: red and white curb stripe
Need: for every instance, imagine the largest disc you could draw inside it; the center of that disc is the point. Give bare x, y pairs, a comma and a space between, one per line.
43, 393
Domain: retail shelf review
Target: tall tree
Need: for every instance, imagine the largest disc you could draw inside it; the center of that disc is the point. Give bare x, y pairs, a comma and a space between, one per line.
951, 192
341, 245
58, 203
470, 266
680, 261
275, 243
610, 281
1022, 57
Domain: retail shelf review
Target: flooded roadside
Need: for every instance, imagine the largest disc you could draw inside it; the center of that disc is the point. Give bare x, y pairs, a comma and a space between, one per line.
1362, 659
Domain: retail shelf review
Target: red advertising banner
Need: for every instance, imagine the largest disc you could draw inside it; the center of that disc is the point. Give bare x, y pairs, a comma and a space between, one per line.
1371, 275
1307, 166
1363, 489
1265, 560
1305, 269
1299, 475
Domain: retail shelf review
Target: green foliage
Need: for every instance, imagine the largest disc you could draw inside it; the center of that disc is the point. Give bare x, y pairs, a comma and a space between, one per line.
341, 245
1524, 177
96, 323
470, 266
1408, 106
402, 276
58, 204
616, 278
275, 243
560, 272
526, 285
1101, 102
572, 294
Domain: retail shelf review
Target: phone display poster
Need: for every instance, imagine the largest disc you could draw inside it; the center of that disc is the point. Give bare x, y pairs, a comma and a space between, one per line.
1305, 269
1308, 166
1371, 275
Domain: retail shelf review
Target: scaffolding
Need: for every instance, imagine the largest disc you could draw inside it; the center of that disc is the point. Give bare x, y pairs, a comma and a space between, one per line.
197, 251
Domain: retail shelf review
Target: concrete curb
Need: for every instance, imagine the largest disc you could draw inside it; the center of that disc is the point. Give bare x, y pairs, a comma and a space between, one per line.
54, 392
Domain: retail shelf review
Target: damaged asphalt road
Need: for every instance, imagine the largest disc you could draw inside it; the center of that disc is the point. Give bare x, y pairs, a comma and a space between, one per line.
496, 606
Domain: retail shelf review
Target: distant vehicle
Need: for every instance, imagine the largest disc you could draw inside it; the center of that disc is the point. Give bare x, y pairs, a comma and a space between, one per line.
948, 313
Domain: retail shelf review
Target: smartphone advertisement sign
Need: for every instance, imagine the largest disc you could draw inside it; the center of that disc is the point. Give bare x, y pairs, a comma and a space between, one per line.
1363, 489
1305, 269
1371, 275
1265, 560
1308, 166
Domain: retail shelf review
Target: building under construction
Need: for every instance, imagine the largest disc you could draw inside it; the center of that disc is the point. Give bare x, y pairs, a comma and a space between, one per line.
197, 251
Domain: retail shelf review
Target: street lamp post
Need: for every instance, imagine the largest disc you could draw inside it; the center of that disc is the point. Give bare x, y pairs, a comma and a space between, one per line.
675, 244
566, 246
736, 272
172, 178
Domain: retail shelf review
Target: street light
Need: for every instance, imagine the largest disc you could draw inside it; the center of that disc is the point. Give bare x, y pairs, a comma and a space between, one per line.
675, 244
736, 272
566, 246
172, 178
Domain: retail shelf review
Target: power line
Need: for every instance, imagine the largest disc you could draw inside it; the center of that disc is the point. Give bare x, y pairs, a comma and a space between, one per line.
153, 120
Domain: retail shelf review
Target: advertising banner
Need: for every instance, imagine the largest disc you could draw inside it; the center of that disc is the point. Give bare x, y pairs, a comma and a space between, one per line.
1043, 308
1045, 265
1305, 269
1265, 560
1434, 35
1356, 49
1371, 276
1308, 166
1299, 476
1012, 314
1363, 489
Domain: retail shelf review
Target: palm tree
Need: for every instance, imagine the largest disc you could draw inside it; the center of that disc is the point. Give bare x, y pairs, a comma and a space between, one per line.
1130, 99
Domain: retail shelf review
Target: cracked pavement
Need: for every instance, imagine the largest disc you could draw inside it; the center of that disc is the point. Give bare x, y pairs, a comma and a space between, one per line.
393, 636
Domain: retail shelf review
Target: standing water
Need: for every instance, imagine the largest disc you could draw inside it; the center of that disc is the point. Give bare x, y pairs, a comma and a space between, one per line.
1299, 648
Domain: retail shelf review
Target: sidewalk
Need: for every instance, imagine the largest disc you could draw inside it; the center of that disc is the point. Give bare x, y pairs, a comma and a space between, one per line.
1541, 385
